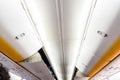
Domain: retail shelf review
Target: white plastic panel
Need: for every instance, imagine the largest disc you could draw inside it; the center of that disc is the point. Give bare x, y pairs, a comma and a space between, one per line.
16, 69
74, 17
110, 71
44, 14
74, 14
105, 21
17, 29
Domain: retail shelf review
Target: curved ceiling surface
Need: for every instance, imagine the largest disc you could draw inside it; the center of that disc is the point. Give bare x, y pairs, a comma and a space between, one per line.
72, 32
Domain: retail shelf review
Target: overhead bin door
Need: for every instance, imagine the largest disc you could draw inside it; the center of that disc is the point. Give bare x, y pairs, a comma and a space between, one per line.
16, 31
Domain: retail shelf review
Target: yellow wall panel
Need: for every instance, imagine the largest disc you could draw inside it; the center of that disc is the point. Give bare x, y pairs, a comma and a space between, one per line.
8, 50
109, 55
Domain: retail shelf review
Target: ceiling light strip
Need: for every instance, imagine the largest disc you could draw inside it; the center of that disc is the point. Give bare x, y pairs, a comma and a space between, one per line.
109, 55
60, 25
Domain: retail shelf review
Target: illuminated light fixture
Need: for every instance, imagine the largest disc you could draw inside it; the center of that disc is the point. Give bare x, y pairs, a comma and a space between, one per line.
15, 77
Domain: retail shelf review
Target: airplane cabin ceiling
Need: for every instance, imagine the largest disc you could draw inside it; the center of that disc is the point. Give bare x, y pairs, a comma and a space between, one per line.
73, 33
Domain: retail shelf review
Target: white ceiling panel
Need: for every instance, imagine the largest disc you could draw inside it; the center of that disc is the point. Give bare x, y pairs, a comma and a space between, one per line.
44, 15
74, 16
65, 28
